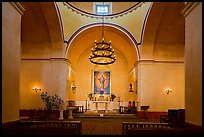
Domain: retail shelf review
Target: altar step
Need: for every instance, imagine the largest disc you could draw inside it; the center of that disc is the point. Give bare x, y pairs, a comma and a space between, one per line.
100, 114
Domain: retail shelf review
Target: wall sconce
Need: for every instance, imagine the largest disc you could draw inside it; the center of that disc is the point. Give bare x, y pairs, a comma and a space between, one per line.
168, 91
73, 88
36, 89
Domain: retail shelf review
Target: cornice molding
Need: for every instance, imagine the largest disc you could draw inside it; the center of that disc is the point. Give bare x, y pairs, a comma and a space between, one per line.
18, 7
46, 59
189, 7
133, 69
158, 61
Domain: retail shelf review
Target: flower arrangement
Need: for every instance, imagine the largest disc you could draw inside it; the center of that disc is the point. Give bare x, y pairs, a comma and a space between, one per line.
112, 97
90, 95
51, 102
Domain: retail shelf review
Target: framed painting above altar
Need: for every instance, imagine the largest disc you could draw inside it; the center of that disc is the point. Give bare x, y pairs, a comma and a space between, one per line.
101, 82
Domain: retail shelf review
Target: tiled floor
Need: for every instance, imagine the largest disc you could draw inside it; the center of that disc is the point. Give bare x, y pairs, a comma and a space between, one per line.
102, 126
109, 124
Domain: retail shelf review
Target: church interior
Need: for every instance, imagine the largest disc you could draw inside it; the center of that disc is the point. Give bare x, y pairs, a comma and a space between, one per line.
101, 68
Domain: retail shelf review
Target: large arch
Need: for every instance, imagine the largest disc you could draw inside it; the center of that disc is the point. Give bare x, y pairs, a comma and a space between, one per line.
131, 52
163, 36
42, 30
42, 45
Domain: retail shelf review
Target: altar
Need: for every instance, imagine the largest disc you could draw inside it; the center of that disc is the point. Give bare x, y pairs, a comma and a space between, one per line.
103, 105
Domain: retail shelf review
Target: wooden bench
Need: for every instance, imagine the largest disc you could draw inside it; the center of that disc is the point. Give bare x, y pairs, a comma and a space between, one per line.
130, 128
43, 128
144, 128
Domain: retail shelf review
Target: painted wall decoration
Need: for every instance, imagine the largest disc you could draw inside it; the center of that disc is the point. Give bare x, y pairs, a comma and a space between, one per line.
101, 82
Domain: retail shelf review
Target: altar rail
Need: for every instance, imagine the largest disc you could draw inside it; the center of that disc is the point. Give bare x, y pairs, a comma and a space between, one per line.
141, 128
35, 114
43, 128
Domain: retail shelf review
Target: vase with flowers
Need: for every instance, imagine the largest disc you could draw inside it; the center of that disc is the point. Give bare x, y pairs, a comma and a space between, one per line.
52, 105
112, 97
90, 96
51, 102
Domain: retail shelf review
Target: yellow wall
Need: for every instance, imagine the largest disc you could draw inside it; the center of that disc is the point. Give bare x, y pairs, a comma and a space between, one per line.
193, 62
132, 79
11, 28
71, 82
50, 76
154, 78
119, 76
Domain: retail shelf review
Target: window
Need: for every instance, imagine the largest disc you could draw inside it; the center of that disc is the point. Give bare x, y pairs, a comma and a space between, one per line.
102, 9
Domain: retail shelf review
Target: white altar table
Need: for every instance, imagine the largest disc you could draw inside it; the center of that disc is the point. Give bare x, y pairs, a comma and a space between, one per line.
101, 102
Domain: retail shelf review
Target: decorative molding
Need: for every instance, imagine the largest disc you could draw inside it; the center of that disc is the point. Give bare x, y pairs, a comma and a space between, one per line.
60, 20
72, 68
144, 23
18, 7
189, 7
145, 60
168, 61
110, 16
48, 59
69, 62
35, 59
158, 61
131, 71
116, 26
58, 59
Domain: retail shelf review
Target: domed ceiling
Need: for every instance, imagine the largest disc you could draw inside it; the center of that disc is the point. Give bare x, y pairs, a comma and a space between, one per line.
117, 8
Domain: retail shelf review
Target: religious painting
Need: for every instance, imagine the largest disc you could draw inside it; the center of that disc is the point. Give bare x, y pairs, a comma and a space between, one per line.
101, 82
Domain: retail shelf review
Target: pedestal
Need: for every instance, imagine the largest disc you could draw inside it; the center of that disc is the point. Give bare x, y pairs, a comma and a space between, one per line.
61, 115
70, 112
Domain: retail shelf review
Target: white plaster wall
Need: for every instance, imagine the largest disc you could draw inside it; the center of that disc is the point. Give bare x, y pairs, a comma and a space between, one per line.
11, 30
154, 78
193, 65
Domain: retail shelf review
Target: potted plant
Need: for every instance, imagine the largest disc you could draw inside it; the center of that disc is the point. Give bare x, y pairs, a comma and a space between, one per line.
90, 96
112, 97
51, 102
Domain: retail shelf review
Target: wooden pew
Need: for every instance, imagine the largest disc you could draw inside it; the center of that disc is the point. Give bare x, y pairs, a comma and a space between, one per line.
43, 128
147, 128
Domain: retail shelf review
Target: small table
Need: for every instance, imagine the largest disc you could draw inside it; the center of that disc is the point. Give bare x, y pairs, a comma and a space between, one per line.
70, 112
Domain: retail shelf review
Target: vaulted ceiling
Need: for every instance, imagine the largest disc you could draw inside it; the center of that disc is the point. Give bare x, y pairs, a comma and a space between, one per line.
53, 23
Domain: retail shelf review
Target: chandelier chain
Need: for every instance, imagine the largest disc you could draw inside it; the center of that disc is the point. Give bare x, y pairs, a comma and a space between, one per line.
102, 52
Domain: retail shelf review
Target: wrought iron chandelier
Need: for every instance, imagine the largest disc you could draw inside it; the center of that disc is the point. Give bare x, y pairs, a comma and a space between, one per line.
102, 53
